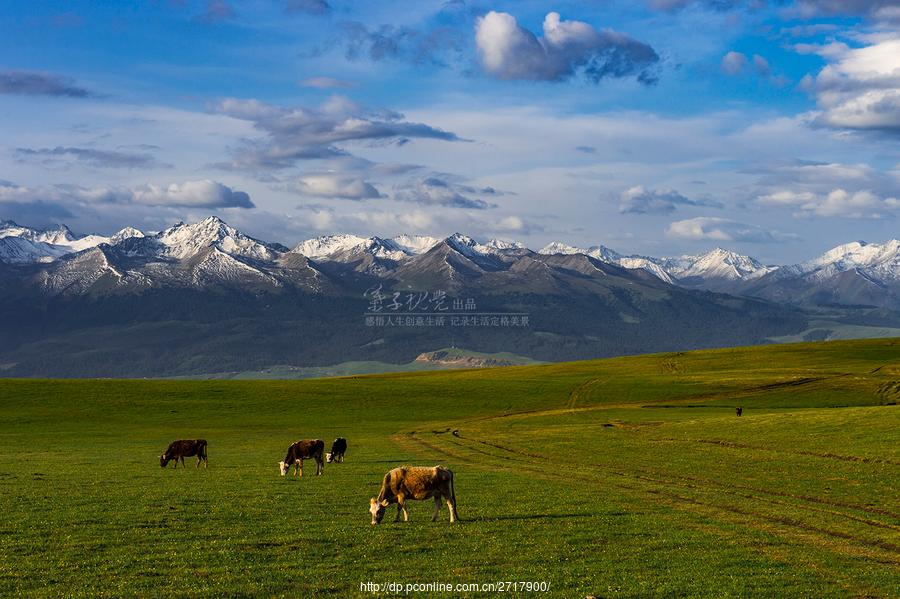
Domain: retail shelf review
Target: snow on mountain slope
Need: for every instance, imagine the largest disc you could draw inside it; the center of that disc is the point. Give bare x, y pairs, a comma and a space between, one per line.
639, 262
191, 243
126, 233
18, 250
415, 244
600, 252
501, 245
320, 247
36, 245
880, 261
718, 264
186, 241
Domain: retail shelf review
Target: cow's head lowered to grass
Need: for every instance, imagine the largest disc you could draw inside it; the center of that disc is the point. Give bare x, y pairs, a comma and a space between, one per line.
283, 467
376, 508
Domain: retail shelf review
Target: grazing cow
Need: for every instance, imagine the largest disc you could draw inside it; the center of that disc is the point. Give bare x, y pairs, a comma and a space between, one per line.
338, 449
414, 482
308, 449
739, 411
185, 447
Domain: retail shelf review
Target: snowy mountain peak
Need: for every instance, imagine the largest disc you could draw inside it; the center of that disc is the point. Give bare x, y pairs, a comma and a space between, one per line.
460, 240
719, 264
126, 233
599, 252
880, 261
325, 245
499, 244
184, 241
415, 244
558, 247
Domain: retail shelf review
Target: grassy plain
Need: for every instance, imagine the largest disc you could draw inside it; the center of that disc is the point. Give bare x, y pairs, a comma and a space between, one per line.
627, 477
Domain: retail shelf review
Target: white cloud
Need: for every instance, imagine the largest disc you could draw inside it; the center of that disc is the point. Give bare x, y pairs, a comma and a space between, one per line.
861, 88
705, 228
295, 134
509, 51
335, 186
733, 63
836, 203
190, 194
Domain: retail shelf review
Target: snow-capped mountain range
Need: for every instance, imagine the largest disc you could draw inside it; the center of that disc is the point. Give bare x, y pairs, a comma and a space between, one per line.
212, 248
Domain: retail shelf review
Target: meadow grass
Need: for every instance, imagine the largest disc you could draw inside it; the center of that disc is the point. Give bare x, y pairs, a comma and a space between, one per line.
628, 477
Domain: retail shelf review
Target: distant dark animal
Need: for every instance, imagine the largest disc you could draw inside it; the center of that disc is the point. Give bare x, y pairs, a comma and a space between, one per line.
739, 411
338, 449
414, 482
178, 450
308, 449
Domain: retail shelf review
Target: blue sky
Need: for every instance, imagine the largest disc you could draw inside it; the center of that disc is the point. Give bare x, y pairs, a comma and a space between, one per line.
657, 127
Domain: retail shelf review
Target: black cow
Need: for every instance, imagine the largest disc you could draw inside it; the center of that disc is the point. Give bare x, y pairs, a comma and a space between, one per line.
739, 411
303, 450
338, 449
182, 448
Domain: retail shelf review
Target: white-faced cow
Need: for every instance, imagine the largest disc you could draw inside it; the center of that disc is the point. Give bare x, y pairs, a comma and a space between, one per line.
308, 449
182, 448
414, 482
338, 449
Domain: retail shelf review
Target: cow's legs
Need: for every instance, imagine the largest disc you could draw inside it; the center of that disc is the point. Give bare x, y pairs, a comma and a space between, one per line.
399, 510
182, 462
320, 466
405, 512
300, 466
437, 508
451, 505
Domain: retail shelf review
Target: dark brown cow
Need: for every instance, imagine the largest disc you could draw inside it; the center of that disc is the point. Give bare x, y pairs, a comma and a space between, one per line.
182, 448
308, 449
414, 482
739, 411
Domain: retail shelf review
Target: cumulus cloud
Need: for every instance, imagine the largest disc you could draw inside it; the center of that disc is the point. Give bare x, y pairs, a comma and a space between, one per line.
89, 156
40, 84
335, 186
861, 88
836, 203
509, 51
638, 200
191, 194
705, 228
295, 134
435, 191
733, 63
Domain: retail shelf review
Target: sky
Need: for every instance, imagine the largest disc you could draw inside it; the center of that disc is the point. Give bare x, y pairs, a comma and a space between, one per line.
656, 127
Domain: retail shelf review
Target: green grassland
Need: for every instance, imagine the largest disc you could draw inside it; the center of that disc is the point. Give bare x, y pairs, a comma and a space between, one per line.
627, 477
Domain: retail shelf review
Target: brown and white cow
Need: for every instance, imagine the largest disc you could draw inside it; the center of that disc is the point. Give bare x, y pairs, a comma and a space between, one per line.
414, 482
308, 449
182, 448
